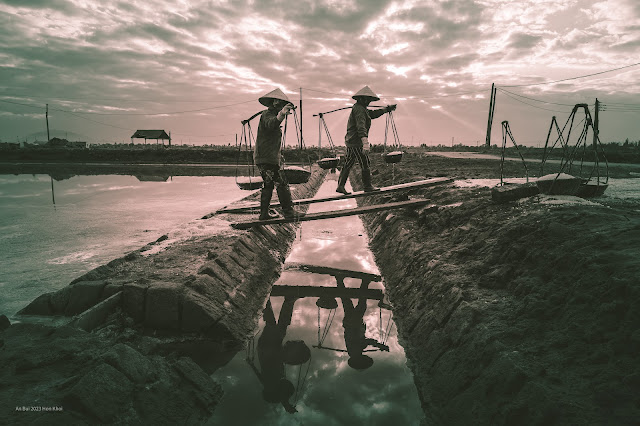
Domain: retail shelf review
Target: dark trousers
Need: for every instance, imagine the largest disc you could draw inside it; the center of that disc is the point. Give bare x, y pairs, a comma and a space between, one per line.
355, 153
273, 176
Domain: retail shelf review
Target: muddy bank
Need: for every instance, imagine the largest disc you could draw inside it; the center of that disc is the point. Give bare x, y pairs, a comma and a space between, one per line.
519, 313
135, 340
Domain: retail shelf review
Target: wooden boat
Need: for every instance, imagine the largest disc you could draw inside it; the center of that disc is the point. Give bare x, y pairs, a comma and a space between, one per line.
296, 175
393, 157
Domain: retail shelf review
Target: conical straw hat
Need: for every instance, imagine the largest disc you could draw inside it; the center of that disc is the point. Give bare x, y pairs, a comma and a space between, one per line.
366, 92
274, 94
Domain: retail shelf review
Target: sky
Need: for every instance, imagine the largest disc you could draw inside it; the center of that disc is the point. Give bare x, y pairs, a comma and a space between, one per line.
196, 68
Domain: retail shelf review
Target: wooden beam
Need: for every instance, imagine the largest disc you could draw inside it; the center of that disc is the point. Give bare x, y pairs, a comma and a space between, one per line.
314, 291
345, 273
331, 214
384, 190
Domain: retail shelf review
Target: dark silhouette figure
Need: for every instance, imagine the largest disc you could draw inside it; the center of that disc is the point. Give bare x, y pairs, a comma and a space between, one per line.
276, 387
357, 138
355, 328
267, 155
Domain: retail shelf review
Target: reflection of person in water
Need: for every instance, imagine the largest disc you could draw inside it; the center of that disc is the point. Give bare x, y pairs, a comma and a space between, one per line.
276, 387
355, 328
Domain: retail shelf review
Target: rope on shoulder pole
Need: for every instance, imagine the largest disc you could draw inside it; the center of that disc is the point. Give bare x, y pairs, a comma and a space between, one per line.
396, 155
246, 136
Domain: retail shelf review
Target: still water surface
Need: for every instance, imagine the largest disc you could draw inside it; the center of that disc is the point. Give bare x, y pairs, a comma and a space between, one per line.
44, 246
95, 219
324, 389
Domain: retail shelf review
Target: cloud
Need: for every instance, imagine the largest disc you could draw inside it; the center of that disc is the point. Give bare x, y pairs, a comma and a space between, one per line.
523, 41
162, 56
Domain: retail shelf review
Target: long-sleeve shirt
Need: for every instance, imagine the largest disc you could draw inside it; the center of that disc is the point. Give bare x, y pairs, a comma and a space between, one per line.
359, 123
268, 139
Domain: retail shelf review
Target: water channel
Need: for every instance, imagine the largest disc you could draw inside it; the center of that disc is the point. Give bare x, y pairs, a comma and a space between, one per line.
326, 351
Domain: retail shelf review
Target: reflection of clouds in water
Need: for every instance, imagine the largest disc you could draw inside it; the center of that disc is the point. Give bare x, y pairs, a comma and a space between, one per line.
333, 393
18, 196
352, 254
78, 256
93, 188
376, 396
12, 180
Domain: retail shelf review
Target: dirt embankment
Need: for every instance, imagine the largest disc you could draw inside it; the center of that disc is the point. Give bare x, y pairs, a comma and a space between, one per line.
519, 313
144, 331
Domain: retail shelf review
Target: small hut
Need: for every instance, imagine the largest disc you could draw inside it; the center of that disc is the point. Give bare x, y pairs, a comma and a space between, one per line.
151, 134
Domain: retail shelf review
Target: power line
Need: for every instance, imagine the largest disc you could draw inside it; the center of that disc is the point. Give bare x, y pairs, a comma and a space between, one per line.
527, 103
533, 99
573, 78
618, 103
18, 103
94, 121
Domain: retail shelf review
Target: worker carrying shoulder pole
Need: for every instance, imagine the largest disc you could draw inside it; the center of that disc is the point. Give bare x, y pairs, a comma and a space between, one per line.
357, 138
267, 155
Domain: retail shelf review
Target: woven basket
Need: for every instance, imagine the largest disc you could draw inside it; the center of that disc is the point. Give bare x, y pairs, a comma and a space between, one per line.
562, 184
249, 183
393, 157
329, 163
296, 175
589, 190
295, 352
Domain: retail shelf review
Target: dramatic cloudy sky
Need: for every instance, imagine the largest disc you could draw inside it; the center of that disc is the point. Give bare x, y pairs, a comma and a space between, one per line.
196, 68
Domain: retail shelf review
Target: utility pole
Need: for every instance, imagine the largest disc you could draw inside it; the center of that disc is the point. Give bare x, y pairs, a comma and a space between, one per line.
47, 118
492, 106
301, 118
595, 124
320, 131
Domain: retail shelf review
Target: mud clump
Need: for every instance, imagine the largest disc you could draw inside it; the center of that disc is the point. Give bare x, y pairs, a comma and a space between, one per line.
516, 313
63, 375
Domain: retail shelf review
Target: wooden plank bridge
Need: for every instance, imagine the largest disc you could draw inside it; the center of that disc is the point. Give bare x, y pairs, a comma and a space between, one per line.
384, 190
331, 214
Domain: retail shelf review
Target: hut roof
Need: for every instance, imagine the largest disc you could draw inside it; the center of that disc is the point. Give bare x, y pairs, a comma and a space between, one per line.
151, 134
